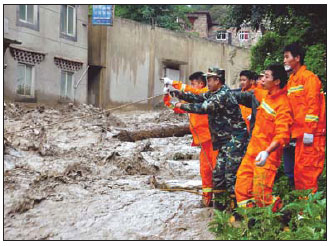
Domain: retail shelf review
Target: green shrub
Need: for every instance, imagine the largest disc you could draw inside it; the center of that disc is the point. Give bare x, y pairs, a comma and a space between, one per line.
315, 60
302, 218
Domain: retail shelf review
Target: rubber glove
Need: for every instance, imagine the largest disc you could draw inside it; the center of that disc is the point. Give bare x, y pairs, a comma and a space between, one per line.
261, 158
167, 81
308, 138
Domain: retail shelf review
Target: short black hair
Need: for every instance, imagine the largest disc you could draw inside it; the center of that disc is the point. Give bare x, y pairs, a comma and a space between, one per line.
254, 76
296, 50
246, 73
278, 72
198, 76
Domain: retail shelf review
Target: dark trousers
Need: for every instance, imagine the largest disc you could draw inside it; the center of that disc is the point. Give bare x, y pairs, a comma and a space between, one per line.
288, 157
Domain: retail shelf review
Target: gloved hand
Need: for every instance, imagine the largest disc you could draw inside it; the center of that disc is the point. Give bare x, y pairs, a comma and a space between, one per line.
175, 93
308, 138
167, 81
261, 158
249, 117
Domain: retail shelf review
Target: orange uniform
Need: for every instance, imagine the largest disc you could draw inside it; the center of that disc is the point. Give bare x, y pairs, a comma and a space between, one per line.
273, 121
201, 135
245, 111
307, 102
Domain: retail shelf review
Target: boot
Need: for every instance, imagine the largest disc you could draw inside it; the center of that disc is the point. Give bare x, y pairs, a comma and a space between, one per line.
207, 199
278, 204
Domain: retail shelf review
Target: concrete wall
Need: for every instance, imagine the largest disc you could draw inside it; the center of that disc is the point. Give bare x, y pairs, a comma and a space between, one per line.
137, 54
47, 40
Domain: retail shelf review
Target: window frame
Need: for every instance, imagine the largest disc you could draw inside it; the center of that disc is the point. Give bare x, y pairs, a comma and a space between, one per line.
24, 23
64, 30
32, 87
222, 32
243, 34
66, 96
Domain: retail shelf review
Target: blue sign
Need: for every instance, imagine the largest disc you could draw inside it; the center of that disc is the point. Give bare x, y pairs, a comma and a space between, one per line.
102, 15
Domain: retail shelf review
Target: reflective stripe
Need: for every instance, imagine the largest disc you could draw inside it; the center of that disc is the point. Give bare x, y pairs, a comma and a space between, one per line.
182, 88
295, 89
267, 108
311, 117
243, 204
207, 189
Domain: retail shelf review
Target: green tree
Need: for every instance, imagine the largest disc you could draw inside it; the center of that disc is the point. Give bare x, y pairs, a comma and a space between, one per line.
218, 13
165, 16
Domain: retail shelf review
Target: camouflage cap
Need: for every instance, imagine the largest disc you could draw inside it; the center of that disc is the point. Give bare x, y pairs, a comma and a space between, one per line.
215, 71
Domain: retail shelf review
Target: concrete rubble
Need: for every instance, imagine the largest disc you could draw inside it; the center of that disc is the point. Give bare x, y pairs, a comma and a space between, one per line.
76, 181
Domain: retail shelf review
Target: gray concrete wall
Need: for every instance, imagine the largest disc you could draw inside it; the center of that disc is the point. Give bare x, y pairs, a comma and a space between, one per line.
137, 53
47, 39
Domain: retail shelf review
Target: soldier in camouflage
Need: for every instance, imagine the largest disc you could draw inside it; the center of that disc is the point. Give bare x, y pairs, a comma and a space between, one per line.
228, 130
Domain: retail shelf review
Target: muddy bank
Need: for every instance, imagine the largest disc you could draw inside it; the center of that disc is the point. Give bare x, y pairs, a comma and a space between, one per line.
76, 180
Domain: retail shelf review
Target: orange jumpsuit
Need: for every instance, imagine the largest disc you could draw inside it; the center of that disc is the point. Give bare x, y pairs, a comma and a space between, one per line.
245, 111
200, 132
307, 102
273, 121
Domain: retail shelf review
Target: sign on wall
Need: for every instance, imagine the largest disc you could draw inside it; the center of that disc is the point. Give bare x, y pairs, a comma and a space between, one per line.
102, 15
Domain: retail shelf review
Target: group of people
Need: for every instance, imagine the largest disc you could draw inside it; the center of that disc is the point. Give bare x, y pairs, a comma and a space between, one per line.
244, 134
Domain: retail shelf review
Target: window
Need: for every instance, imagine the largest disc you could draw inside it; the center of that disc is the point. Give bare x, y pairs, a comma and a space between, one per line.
28, 16
243, 35
66, 85
68, 20
221, 35
27, 13
25, 80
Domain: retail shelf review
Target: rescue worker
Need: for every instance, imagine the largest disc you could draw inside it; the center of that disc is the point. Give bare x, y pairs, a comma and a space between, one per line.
246, 78
259, 80
227, 128
307, 102
256, 174
200, 132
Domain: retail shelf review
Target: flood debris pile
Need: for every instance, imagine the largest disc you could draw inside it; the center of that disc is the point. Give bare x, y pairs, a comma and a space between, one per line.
67, 175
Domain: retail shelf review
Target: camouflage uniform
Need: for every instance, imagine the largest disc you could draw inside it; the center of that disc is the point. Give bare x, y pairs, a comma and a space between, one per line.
228, 132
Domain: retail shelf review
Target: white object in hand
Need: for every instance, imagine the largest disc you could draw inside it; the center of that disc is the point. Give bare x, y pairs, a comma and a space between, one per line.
308, 138
261, 158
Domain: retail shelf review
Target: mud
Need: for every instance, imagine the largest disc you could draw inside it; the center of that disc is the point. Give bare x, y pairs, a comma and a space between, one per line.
75, 180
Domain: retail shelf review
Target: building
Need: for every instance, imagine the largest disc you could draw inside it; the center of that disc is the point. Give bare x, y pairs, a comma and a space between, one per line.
46, 53
202, 25
128, 59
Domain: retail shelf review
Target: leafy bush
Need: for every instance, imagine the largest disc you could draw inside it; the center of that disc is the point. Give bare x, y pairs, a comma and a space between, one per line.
316, 61
303, 216
268, 50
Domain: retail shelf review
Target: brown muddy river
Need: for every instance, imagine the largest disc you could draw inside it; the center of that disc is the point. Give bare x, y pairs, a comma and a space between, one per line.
77, 181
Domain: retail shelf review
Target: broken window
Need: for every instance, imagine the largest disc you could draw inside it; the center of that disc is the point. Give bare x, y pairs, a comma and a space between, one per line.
68, 20
66, 84
25, 80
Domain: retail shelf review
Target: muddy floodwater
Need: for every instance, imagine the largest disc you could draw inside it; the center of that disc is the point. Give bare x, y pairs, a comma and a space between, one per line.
76, 181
